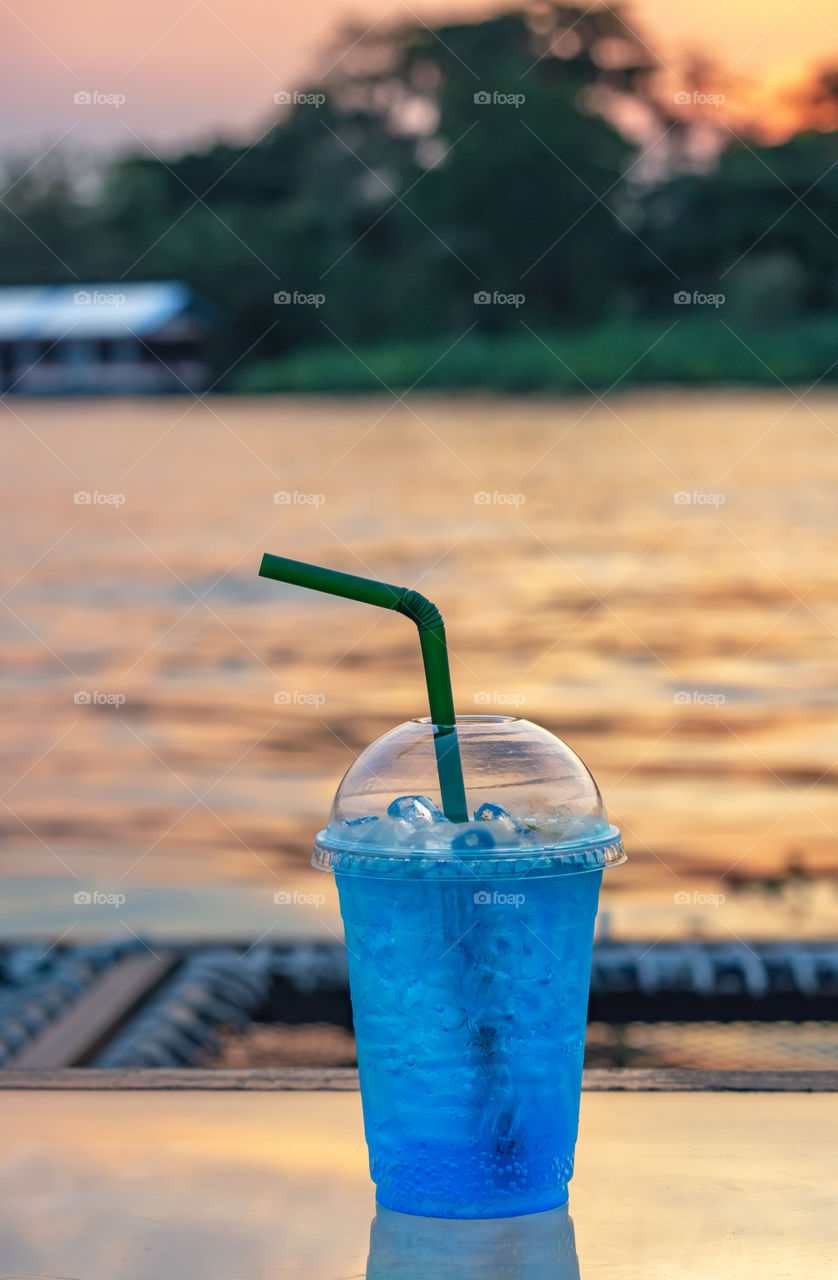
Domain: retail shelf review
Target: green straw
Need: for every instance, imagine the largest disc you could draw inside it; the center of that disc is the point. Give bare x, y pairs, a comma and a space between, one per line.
431, 629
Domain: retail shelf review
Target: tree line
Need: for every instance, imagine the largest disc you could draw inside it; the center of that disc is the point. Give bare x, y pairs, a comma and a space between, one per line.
494, 185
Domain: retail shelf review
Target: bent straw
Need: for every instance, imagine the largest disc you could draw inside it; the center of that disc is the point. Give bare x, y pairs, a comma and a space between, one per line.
431, 629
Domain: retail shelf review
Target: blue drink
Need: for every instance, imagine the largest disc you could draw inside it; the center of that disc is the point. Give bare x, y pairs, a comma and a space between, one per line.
469, 949
470, 1005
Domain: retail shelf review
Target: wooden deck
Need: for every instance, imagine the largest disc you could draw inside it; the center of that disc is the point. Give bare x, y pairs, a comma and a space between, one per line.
345, 1079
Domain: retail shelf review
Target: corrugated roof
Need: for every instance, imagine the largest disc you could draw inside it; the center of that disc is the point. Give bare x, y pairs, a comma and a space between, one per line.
90, 310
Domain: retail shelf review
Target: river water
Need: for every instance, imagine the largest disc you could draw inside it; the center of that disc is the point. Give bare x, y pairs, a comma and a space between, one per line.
653, 577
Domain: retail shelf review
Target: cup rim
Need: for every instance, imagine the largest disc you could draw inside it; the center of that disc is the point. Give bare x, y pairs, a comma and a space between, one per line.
465, 720
576, 858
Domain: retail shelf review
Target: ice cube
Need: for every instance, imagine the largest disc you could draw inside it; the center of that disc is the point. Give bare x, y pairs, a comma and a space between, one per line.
415, 810
506, 829
434, 837
488, 812
392, 833
473, 838
357, 830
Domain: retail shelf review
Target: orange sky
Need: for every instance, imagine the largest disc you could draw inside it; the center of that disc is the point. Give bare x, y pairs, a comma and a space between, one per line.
196, 68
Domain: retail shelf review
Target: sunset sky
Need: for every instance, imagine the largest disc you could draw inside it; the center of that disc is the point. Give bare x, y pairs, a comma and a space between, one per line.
195, 69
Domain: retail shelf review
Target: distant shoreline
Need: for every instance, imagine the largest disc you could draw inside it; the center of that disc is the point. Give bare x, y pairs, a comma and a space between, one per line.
668, 351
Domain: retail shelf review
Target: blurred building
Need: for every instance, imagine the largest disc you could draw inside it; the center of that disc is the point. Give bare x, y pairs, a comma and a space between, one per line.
104, 338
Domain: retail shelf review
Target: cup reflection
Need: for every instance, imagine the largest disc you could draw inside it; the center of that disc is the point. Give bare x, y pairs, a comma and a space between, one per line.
538, 1246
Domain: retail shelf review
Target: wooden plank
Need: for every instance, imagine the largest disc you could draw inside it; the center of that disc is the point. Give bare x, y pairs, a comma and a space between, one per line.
98, 1011
686, 1080
263, 1079
342, 1079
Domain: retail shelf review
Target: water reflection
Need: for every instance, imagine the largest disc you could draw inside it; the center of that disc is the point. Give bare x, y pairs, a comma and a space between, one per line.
539, 1246
660, 608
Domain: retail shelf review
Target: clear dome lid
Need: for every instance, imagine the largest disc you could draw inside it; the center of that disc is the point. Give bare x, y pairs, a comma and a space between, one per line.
532, 803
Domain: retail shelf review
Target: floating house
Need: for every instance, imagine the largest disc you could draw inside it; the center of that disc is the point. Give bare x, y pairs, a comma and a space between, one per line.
102, 339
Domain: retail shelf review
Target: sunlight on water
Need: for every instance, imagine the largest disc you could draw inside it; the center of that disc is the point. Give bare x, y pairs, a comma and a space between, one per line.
686, 649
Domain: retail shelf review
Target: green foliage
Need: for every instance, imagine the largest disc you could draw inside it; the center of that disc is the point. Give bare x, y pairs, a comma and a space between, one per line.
698, 351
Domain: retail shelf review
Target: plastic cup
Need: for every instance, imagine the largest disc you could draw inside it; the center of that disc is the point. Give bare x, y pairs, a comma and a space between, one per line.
469, 950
